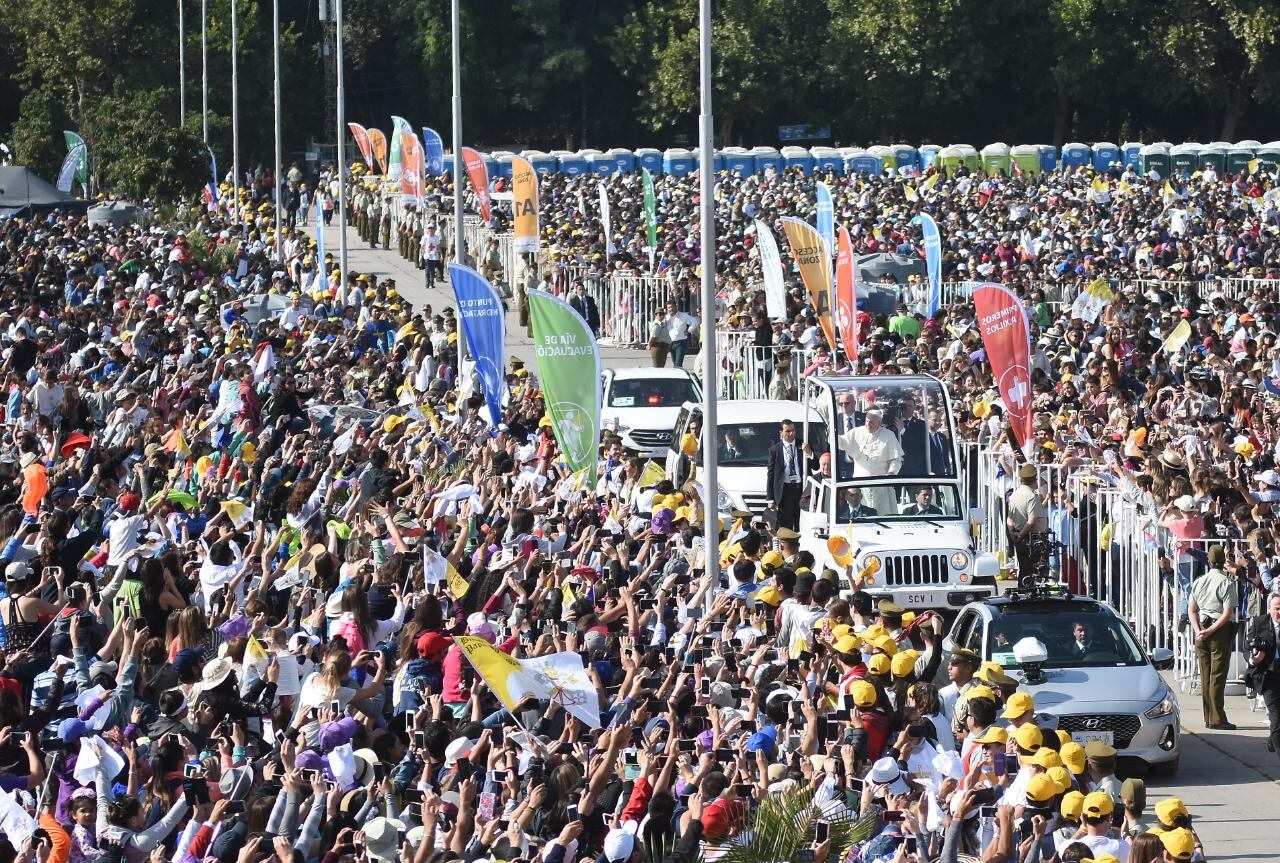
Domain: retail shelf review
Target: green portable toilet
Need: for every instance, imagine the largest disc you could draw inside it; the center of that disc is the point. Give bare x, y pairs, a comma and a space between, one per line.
1268, 155
1214, 154
950, 159
1026, 157
1155, 157
1238, 159
886, 156
1185, 158
971, 157
995, 159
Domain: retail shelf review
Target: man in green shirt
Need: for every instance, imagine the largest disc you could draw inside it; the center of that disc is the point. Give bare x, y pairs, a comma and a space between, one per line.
1213, 605
904, 324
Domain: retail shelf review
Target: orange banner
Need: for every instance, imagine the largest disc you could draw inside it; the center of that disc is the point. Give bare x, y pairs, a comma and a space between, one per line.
361, 134
411, 161
814, 260
524, 205
378, 142
478, 173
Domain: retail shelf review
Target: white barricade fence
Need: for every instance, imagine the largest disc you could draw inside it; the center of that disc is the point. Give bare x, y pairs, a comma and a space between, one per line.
747, 371
629, 304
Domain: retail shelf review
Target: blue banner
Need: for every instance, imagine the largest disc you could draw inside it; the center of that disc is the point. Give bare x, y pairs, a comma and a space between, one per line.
826, 217
212, 185
433, 146
933, 261
485, 326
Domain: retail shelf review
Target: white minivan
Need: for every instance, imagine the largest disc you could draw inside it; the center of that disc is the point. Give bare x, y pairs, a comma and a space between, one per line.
745, 430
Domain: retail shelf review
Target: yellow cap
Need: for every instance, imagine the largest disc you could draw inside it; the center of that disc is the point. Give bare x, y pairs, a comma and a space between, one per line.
904, 664
1063, 737
1041, 789
1170, 809
1061, 776
1044, 757
862, 693
992, 673
772, 560
1072, 805
1018, 704
886, 643
1028, 736
1072, 755
994, 734
878, 664
768, 595
847, 643
980, 692
1098, 804
1101, 858
840, 630
1179, 844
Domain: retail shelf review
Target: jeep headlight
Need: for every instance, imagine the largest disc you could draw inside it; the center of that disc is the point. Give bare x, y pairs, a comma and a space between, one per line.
1163, 707
960, 559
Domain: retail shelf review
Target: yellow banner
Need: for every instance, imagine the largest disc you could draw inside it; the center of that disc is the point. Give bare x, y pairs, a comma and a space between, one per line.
814, 260
524, 204
1178, 337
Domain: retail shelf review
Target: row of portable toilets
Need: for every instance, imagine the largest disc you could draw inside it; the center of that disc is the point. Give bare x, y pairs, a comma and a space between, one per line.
1030, 159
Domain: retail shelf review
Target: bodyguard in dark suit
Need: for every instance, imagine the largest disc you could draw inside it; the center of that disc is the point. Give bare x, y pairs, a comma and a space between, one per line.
585, 305
784, 480
1264, 664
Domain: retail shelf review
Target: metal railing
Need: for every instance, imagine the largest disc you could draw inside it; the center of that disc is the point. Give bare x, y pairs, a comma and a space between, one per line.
746, 371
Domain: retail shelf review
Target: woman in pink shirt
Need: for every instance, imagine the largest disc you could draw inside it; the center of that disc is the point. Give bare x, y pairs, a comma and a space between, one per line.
1183, 520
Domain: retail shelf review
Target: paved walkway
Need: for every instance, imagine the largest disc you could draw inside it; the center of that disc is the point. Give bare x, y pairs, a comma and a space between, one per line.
411, 284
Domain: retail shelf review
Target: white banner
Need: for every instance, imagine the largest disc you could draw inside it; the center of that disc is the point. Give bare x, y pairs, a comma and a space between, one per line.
562, 677
775, 294
609, 248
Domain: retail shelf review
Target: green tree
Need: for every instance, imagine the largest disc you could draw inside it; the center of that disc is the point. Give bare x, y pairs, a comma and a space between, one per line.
140, 153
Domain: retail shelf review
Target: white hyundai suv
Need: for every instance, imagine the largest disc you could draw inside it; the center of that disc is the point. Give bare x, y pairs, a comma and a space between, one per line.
641, 405
1095, 681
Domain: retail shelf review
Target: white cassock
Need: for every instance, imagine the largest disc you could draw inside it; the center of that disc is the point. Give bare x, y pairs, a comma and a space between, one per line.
875, 453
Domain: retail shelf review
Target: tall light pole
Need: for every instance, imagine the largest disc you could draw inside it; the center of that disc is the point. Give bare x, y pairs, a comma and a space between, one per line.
235, 117
706, 179
204, 72
342, 161
182, 66
279, 186
459, 234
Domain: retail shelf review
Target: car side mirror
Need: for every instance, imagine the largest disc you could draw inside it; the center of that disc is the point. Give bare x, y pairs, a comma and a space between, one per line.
1162, 658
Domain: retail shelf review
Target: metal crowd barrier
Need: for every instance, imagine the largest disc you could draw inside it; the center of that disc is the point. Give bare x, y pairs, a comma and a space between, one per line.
747, 371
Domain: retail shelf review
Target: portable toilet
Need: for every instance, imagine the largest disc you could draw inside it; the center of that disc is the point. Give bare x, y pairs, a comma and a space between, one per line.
1185, 158
504, 163
905, 156
738, 160
970, 156
570, 163
865, 162
717, 160
490, 164
448, 163
1104, 153
1238, 159
543, 163
1268, 155
677, 161
1026, 157
1048, 158
798, 157
1155, 157
887, 157
1075, 155
950, 159
599, 163
827, 159
1131, 154
1250, 144
1216, 155
996, 158
928, 155
624, 160
766, 158
649, 159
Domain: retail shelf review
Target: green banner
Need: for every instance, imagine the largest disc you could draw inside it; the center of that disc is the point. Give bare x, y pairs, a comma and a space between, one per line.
82, 163
569, 370
396, 161
650, 210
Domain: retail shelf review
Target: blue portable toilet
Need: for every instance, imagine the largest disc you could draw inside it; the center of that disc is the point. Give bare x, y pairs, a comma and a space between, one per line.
624, 160
448, 163
1048, 158
1104, 153
599, 163
1075, 155
649, 159
866, 162
847, 155
543, 163
905, 156
738, 160
677, 161
490, 164
571, 164
717, 160
504, 163
798, 157
827, 159
885, 153
1131, 154
928, 155
766, 158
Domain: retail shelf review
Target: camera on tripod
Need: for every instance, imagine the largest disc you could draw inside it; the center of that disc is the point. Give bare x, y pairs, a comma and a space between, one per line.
1039, 556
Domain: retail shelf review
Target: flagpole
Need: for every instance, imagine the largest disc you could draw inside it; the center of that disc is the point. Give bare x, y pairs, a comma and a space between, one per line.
204, 73
342, 162
182, 66
706, 178
459, 234
275, 51
235, 118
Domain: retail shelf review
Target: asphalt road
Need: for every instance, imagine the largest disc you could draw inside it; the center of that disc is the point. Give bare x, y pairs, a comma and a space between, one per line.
1228, 780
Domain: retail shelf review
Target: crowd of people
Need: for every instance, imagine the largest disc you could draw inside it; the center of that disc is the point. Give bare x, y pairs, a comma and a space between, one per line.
244, 550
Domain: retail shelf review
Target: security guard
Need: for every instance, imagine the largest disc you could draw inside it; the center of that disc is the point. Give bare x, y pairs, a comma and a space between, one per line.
1213, 605
1027, 519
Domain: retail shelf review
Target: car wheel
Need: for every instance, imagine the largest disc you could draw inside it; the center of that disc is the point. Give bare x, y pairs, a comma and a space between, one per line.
1164, 768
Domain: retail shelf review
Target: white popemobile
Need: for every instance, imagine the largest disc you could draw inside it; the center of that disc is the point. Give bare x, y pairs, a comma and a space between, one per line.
886, 493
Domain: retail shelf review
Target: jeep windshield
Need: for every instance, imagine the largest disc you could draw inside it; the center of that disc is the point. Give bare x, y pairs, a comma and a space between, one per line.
896, 502
1074, 637
651, 393
892, 426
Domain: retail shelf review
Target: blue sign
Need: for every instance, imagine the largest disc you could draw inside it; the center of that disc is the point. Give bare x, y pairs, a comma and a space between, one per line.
804, 132
483, 322
434, 148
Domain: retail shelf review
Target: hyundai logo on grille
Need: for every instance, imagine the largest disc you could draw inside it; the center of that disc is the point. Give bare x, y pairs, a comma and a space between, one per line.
1093, 722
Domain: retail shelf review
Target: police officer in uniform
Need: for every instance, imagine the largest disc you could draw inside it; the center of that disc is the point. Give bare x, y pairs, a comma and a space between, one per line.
1026, 519
1213, 604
